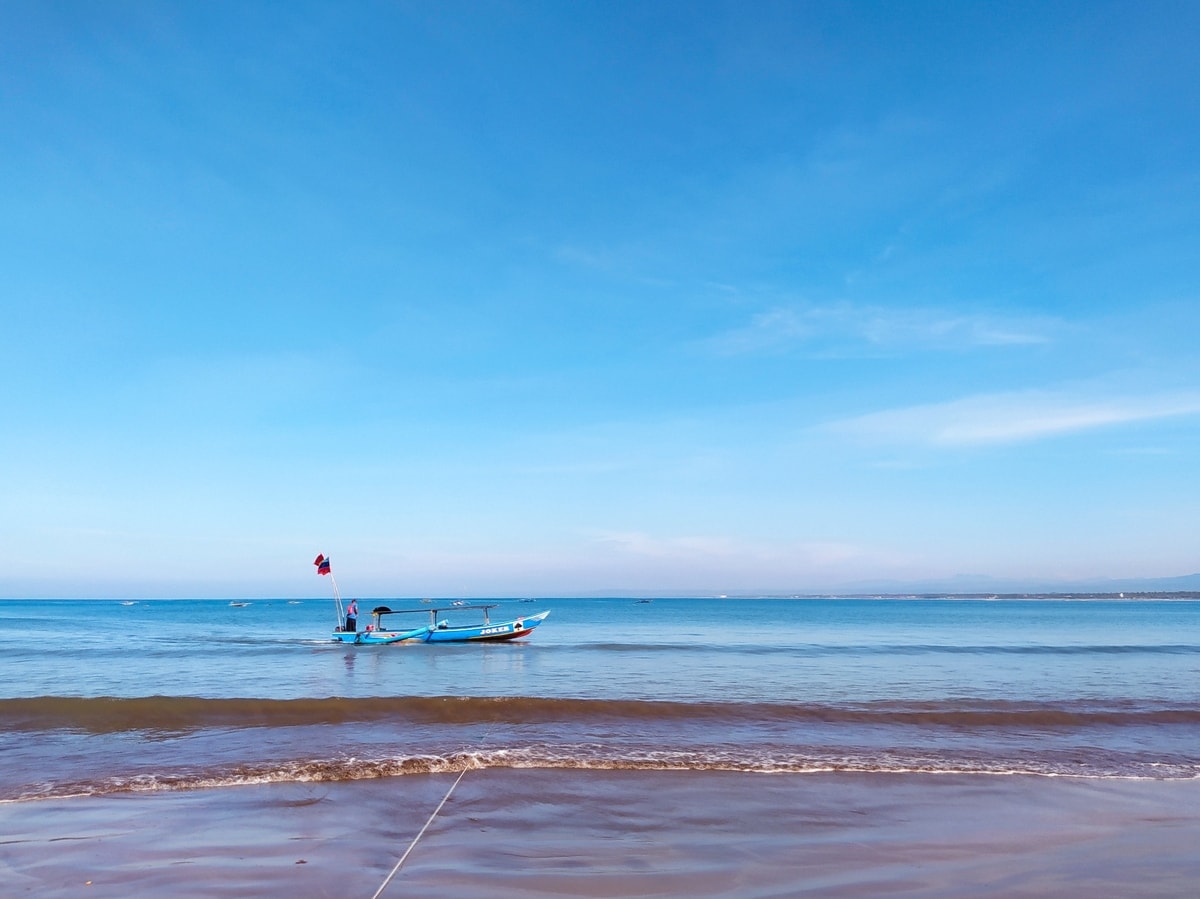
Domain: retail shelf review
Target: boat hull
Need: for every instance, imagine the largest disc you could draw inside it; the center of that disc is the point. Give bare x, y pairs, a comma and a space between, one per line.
486, 633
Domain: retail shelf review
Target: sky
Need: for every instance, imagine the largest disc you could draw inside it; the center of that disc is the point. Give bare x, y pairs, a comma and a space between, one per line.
549, 298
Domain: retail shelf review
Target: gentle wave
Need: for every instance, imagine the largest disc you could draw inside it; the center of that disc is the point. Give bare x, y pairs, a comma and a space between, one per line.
896, 649
187, 713
601, 758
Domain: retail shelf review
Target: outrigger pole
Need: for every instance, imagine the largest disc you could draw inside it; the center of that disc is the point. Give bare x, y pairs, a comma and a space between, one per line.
323, 567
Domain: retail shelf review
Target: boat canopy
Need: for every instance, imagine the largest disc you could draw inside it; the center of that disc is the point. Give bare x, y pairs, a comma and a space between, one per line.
380, 611
384, 610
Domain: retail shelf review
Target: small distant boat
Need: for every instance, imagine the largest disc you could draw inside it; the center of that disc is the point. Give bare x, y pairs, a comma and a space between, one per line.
128, 602
643, 600
441, 631
239, 605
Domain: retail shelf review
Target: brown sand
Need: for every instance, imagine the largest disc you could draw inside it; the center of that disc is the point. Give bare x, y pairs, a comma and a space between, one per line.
579, 833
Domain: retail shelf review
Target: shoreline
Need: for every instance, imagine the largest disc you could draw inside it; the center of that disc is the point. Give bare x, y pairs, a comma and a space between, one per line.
526, 833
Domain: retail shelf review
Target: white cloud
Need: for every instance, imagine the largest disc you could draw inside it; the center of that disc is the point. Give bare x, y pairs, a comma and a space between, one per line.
877, 327
626, 560
639, 544
1012, 417
583, 257
725, 552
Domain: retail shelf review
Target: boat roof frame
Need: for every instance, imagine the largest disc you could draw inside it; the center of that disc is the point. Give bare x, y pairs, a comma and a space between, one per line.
384, 610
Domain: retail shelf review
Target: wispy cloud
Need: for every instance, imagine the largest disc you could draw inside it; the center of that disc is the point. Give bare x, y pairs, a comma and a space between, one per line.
1013, 417
640, 544
705, 550
582, 257
877, 327
724, 562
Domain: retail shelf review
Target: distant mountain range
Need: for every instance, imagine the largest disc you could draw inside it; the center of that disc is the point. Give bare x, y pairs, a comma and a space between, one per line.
975, 584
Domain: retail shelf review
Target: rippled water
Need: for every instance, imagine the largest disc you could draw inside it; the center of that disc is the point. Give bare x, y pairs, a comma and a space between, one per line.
101, 696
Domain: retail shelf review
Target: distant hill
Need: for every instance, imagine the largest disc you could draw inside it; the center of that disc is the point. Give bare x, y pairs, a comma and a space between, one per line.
1183, 583
977, 584
958, 585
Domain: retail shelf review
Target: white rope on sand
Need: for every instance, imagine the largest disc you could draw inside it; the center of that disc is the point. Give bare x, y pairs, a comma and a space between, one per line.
466, 767
420, 834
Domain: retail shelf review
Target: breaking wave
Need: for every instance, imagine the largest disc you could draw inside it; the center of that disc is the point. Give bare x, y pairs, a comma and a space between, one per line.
601, 758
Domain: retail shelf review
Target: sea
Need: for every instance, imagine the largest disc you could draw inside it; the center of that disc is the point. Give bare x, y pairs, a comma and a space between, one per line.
102, 697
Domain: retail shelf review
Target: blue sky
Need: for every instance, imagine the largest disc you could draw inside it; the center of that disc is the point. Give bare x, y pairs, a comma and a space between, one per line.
554, 298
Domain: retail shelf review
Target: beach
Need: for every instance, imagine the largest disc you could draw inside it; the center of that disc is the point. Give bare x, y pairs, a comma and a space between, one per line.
528, 833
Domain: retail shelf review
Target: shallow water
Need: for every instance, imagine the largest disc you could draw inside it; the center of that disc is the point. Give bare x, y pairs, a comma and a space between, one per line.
100, 696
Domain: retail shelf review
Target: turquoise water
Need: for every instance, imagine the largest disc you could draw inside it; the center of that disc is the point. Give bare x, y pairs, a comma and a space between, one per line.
222, 695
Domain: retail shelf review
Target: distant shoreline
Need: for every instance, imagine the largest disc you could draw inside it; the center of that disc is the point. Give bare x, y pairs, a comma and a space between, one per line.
1127, 596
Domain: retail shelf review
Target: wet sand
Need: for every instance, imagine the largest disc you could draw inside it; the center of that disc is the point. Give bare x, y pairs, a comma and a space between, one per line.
531, 833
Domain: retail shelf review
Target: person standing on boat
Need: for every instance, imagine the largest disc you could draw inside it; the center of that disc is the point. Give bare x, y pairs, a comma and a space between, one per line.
352, 616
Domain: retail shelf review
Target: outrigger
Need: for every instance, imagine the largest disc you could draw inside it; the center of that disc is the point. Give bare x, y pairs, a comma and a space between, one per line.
441, 631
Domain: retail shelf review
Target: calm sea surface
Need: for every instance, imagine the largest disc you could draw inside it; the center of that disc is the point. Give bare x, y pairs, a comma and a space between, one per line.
100, 696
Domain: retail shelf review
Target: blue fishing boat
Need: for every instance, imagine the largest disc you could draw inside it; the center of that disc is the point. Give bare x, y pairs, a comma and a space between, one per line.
440, 630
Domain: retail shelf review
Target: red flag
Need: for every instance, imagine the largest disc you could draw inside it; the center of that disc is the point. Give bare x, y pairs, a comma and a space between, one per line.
322, 564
